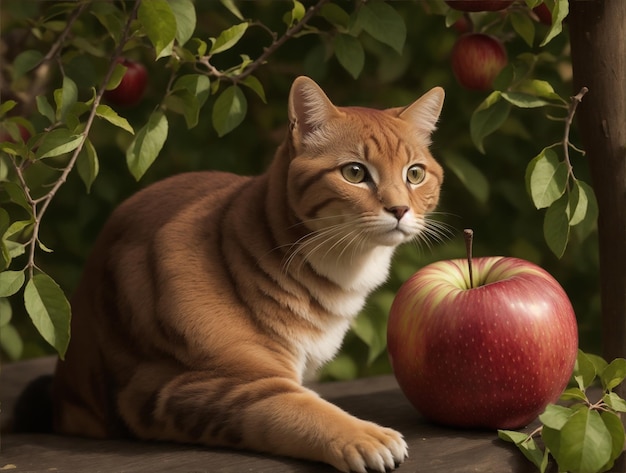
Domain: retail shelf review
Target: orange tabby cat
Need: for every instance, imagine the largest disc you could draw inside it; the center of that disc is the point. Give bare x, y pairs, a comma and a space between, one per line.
209, 296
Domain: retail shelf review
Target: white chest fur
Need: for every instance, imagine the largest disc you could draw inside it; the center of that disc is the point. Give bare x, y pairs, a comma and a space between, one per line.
358, 277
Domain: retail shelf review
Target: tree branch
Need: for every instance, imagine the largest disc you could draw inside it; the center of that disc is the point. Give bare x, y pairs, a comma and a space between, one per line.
47, 198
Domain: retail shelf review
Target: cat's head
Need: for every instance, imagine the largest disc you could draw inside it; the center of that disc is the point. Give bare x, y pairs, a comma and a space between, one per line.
362, 176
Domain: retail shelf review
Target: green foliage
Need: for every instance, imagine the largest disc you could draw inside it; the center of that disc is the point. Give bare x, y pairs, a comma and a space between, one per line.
582, 436
219, 75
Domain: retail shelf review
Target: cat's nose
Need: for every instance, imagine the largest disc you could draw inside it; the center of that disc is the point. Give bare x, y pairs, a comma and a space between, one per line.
398, 211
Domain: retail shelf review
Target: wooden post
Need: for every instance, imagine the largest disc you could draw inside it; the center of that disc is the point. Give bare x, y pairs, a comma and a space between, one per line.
598, 41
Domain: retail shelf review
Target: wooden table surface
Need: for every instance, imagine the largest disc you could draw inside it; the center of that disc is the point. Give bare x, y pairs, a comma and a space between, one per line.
432, 449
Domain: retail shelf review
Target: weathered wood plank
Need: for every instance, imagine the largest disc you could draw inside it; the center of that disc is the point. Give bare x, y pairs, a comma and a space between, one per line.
432, 449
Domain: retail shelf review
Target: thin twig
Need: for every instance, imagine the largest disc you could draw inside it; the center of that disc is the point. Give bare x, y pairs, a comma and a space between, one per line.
47, 198
575, 101
267, 52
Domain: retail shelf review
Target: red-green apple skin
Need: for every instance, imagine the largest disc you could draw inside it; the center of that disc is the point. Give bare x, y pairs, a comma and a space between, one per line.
543, 13
132, 86
492, 356
5, 135
477, 59
479, 5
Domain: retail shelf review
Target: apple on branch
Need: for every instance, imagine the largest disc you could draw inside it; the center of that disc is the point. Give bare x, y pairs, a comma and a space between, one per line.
477, 59
487, 343
132, 86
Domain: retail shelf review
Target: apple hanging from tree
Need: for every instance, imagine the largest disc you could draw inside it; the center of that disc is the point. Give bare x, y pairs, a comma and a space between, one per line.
132, 86
477, 59
486, 347
543, 13
479, 5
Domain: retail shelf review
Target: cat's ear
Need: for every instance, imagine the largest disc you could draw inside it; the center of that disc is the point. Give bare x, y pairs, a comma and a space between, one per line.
309, 108
424, 112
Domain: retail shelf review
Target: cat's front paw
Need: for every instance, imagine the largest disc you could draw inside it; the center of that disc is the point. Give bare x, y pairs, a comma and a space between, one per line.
369, 447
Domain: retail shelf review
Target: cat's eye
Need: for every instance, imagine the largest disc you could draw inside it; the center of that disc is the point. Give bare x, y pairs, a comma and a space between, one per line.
416, 174
354, 173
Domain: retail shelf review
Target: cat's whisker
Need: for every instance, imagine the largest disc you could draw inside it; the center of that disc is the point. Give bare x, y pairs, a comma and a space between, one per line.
318, 238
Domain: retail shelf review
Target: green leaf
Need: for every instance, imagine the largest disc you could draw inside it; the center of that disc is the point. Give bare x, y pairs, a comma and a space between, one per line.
116, 76
584, 370
335, 15
555, 416
6, 312
5, 255
110, 17
25, 61
472, 178
159, 23
147, 144
613, 375
577, 205
44, 108
184, 102
588, 223
615, 402
17, 195
540, 88
573, 394
487, 118
198, 85
523, 26
523, 100
295, 14
232, 7
512, 436
546, 178
614, 425
597, 361
371, 325
350, 54
229, 110
49, 310
11, 282
11, 342
341, 367
559, 12
185, 14
58, 142
65, 98
585, 443
381, 21
525, 444
87, 164
110, 115
7, 106
556, 226
228, 38
254, 84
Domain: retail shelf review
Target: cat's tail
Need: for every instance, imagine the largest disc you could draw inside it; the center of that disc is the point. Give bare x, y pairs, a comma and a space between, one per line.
33, 409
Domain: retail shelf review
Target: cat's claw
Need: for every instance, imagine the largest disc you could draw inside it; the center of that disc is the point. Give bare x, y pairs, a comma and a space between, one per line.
381, 450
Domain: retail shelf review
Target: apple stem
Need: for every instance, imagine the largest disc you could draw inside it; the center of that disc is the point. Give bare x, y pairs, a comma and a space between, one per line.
468, 234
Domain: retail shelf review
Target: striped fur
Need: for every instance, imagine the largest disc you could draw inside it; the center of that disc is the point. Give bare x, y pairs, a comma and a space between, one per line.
209, 297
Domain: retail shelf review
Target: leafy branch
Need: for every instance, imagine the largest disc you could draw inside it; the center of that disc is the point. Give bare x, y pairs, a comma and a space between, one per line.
552, 185
39, 205
34, 168
584, 435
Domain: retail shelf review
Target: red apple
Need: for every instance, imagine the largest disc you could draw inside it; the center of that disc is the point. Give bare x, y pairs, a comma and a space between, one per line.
11, 136
479, 5
489, 356
543, 13
132, 86
463, 25
477, 59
